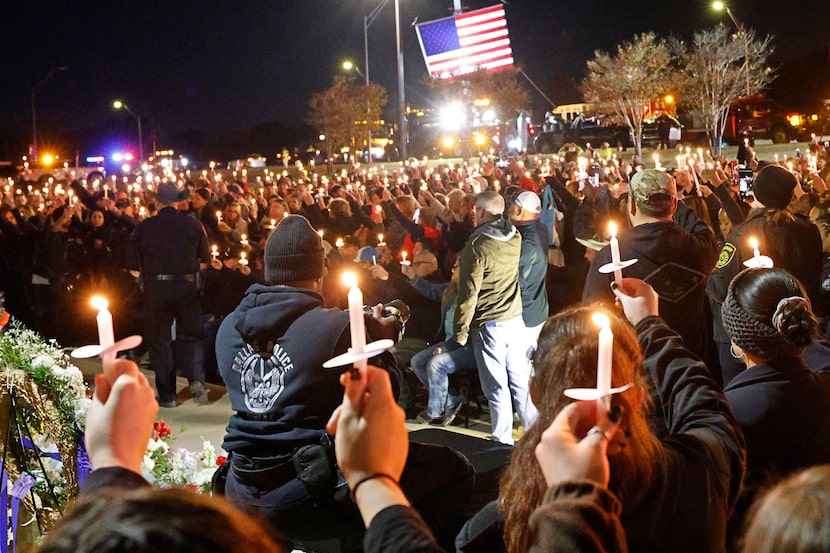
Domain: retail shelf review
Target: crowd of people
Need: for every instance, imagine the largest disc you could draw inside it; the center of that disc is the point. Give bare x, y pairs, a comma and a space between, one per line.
242, 282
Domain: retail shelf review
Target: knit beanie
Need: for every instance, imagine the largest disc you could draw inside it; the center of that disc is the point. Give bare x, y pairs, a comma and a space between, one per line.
774, 187
294, 252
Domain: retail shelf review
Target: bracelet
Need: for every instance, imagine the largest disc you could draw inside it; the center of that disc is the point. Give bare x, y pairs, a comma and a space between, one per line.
365, 479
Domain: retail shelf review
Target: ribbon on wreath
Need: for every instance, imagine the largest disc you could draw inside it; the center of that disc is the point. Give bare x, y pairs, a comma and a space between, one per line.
17, 492
4, 504
84, 464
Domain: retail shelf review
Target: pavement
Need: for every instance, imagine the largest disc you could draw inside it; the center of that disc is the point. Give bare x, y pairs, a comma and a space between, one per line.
192, 422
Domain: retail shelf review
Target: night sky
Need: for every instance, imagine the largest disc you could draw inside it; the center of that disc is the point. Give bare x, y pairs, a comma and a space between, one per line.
214, 65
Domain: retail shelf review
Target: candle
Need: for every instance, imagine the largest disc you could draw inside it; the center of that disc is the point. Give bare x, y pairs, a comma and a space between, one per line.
357, 324
338, 243
243, 258
404, 261
380, 240
604, 352
615, 252
219, 216
214, 251
756, 253
273, 224
106, 336
243, 239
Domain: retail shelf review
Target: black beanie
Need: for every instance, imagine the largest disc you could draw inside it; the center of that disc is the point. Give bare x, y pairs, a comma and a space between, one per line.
294, 252
774, 187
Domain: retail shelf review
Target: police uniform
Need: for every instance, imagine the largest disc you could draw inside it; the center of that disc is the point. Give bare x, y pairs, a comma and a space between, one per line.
167, 249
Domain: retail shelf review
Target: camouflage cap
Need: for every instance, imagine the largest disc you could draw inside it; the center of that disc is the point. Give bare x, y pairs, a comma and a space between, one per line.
651, 182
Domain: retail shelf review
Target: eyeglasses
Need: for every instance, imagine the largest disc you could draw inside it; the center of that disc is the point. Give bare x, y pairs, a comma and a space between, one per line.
422, 263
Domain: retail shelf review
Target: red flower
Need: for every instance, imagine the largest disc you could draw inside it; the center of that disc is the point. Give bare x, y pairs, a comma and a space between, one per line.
161, 430
220, 460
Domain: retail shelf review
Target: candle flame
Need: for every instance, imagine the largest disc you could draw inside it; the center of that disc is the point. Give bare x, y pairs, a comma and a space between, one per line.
350, 279
601, 320
339, 243
612, 229
98, 303
753, 243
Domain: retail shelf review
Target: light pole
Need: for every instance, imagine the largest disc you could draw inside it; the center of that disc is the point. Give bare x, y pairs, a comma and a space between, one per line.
35, 88
118, 104
401, 100
719, 6
368, 19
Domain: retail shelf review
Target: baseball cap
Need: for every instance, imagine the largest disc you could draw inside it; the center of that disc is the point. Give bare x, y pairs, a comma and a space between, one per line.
648, 183
529, 201
366, 254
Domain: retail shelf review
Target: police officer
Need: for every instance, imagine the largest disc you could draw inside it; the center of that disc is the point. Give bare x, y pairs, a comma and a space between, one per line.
169, 250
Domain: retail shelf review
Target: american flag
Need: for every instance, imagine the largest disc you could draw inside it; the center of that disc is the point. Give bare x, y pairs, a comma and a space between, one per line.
465, 43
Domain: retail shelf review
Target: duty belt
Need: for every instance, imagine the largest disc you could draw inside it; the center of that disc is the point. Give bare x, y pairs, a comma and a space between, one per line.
188, 277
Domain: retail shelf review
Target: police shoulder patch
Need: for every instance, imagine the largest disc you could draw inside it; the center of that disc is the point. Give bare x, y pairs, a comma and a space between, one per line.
726, 255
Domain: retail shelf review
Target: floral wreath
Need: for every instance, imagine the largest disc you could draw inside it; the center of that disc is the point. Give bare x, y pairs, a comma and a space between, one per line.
47, 402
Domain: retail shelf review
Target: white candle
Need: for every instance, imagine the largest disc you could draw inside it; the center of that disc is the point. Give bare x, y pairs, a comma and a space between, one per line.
214, 251
219, 216
615, 252
106, 336
756, 253
604, 352
243, 259
404, 261
357, 324
243, 239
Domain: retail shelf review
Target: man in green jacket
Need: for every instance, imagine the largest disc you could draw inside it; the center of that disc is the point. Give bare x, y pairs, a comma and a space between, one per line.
489, 310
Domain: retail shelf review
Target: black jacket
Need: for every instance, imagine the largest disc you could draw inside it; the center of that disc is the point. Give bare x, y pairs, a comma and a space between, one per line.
674, 257
794, 245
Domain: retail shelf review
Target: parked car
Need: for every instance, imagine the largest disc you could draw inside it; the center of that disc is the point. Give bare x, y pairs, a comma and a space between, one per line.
583, 130
252, 161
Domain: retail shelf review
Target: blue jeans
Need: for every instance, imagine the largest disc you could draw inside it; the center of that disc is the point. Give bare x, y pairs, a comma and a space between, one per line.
504, 370
432, 371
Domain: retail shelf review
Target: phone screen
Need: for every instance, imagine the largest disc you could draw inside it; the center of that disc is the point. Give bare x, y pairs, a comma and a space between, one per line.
745, 181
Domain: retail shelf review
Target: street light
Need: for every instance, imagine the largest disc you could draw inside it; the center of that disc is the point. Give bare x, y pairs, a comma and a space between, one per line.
367, 21
349, 66
118, 104
401, 100
720, 6
35, 88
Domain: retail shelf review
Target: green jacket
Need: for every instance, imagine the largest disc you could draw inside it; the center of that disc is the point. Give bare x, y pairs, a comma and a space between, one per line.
488, 287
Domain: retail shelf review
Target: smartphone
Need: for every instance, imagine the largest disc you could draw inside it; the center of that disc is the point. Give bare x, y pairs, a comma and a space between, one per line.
745, 182
593, 175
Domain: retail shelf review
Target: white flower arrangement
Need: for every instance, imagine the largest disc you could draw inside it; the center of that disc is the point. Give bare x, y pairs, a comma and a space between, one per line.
166, 466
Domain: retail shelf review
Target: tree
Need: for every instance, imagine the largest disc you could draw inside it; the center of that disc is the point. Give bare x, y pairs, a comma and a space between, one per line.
625, 83
481, 91
342, 112
717, 69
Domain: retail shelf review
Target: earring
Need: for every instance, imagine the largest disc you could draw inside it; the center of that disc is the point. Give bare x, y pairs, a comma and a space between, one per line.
732, 352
